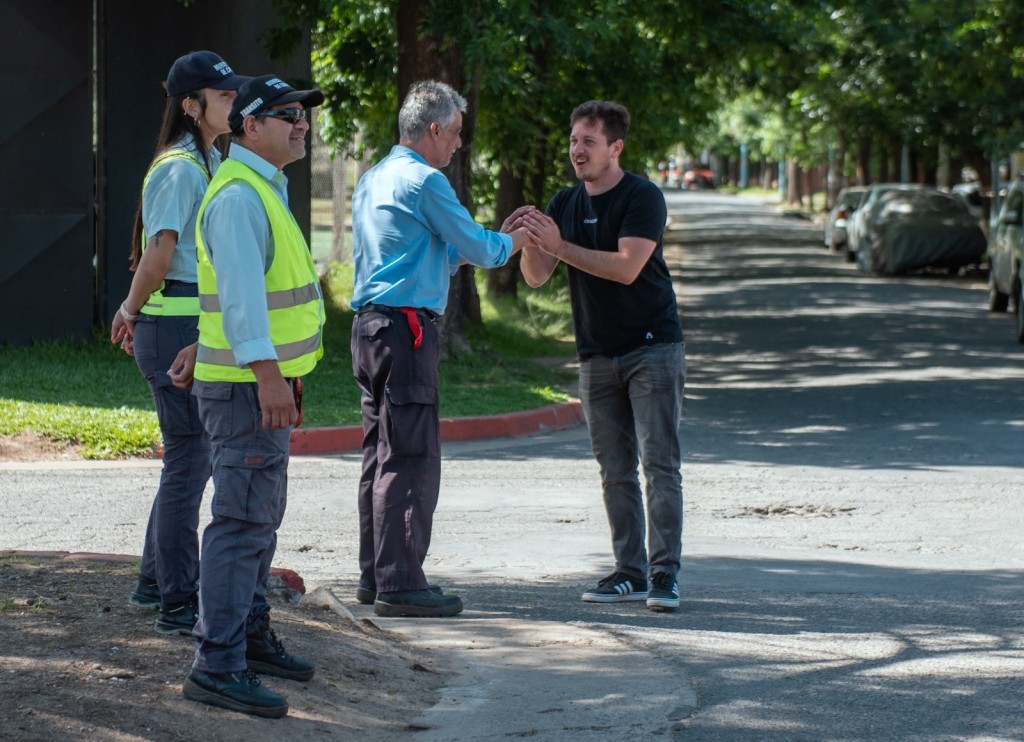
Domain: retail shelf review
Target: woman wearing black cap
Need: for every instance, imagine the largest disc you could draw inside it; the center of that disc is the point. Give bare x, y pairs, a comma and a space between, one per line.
159, 317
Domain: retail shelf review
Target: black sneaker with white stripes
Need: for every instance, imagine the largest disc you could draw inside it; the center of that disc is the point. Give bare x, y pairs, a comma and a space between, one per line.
664, 592
616, 588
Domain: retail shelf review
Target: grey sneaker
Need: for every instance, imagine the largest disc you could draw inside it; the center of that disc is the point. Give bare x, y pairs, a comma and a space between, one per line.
664, 592
617, 588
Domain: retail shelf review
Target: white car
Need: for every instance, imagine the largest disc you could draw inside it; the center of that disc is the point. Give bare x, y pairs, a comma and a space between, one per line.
1006, 258
835, 226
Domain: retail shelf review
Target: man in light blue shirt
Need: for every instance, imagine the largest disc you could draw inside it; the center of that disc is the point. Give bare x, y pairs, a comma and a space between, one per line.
410, 234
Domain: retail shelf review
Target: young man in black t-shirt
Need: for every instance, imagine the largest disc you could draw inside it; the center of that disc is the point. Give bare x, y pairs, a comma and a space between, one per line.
608, 230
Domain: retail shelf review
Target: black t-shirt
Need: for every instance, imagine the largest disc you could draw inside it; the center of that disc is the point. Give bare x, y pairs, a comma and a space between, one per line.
612, 318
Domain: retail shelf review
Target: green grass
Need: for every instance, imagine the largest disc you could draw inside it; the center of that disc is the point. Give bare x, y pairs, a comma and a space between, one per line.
91, 394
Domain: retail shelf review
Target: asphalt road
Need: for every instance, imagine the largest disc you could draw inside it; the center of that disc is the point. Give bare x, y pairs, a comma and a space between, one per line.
852, 546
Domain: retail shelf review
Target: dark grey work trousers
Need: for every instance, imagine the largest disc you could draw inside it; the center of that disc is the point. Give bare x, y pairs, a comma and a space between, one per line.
401, 473
250, 493
170, 553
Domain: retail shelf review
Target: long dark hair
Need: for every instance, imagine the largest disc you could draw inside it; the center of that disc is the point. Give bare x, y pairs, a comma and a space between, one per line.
176, 123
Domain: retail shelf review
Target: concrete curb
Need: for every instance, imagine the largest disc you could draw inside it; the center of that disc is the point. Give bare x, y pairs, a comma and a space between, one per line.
312, 441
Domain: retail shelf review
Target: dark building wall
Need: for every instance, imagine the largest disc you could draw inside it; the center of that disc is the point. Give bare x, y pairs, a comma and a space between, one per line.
46, 170
66, 211
138, 43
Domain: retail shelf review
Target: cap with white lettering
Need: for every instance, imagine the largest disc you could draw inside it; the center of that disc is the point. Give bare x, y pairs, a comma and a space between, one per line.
202, 69
265, 92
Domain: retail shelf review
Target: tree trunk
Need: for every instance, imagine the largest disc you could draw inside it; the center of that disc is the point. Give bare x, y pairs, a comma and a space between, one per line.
339, 203
837, 176
883, 166
794, 184
504, 281
983, 166
864, 161
422, 57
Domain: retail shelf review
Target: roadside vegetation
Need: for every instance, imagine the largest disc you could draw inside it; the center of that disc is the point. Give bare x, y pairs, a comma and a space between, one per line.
91, 394
866, 91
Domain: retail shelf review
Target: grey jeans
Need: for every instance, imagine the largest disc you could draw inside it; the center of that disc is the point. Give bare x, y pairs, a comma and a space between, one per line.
633, 403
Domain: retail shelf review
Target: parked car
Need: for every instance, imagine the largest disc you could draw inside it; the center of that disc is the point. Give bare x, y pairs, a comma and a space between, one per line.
847, 202
1006, 257
910, 229
698, 178
971, 194
856, 227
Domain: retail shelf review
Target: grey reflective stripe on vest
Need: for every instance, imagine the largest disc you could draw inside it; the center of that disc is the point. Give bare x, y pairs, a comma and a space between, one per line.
275, 299
285, 352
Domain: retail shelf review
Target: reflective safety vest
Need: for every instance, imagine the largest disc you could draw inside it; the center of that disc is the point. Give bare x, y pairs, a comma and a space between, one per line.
157, 303
294, 304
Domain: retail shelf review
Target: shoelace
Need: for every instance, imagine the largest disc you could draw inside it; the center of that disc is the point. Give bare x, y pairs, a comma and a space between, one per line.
274, 642
248, 677
663, 580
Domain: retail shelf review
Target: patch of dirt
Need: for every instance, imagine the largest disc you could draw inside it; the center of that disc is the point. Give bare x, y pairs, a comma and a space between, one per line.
31, 446
802, 511
78, 662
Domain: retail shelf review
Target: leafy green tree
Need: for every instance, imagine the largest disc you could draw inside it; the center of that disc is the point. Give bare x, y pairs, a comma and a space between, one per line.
524, 64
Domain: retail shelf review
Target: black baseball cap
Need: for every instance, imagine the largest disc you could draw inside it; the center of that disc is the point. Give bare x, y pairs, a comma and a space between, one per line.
202, 69
263, 93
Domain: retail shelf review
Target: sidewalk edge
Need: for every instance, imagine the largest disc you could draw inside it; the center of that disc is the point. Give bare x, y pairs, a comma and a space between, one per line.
312, 441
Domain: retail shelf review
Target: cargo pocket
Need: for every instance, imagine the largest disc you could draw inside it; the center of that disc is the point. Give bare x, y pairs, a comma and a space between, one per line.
249, 485
216, 411
409, 417
176, 409
370, 325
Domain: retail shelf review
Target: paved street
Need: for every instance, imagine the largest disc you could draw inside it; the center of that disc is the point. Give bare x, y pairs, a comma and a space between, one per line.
853, 540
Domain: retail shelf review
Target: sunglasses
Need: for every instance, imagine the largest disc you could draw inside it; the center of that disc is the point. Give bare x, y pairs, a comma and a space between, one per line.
290, 115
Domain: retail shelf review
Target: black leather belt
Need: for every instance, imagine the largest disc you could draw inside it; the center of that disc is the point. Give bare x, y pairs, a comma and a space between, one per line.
395, 311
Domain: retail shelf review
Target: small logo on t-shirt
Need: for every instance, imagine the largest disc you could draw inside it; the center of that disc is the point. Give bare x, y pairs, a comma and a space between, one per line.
649, 336
590, 221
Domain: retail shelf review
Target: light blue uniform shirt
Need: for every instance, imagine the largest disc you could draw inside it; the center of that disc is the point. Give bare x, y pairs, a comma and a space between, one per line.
236, 232
409, 232
171, 201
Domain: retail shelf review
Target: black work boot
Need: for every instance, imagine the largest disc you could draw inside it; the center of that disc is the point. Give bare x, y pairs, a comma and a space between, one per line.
367, 595
238, 691
265, 654
177, 618
146, 593
417, 603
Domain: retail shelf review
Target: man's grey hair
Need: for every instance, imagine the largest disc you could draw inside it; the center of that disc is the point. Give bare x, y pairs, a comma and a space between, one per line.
427, 102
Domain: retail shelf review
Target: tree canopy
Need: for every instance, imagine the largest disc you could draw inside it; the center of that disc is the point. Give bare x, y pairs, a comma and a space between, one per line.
798, 77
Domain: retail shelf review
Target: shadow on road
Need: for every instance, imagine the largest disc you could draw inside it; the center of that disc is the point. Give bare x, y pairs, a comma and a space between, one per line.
796, 358
900, 638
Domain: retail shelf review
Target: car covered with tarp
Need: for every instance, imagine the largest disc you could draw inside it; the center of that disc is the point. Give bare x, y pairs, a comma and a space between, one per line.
921, 228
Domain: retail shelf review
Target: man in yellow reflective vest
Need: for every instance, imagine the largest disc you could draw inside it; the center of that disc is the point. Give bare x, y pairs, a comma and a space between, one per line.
260, 329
